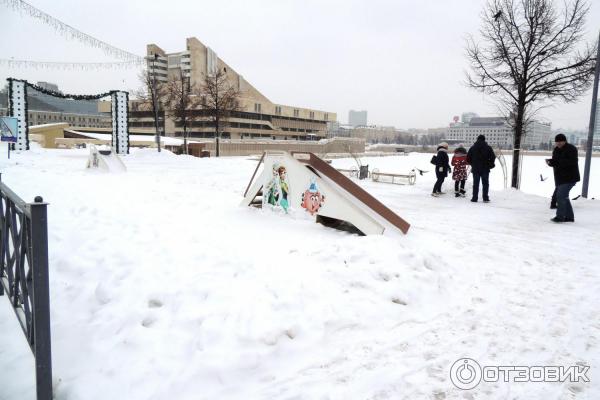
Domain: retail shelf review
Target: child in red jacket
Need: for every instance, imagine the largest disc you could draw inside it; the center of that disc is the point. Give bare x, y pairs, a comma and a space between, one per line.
460, 173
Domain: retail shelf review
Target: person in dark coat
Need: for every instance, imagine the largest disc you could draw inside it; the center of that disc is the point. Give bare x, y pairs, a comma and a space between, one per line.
442, 167
553, 199
459, 172
481, 157
566, 170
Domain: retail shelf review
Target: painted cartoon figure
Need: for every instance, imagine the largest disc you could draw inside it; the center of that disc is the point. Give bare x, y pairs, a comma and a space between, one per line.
312, 199
283, 184
277, 189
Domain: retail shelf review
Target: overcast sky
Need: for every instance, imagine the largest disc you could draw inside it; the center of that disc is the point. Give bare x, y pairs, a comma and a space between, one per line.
402, 61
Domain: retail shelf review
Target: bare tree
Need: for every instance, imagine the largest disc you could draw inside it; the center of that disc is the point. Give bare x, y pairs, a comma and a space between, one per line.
182, 100
218, 98
150, 98
531, 52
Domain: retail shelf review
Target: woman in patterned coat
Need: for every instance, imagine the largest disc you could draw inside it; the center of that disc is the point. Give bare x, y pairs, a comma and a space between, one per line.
460, 173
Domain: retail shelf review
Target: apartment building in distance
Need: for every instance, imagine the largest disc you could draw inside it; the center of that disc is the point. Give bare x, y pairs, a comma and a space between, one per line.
357, 118
46, 109
497, 132
37, 117
259, 116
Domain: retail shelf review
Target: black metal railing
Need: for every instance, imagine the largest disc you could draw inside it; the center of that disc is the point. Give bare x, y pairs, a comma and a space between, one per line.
24, 277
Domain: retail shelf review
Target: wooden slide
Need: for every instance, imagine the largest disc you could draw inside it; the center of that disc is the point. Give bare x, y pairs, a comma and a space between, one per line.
302, 182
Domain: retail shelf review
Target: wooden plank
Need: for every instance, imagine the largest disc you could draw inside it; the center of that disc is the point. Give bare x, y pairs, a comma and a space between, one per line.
254, 174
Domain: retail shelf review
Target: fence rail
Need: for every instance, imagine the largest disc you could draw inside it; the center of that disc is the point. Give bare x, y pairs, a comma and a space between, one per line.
24, 277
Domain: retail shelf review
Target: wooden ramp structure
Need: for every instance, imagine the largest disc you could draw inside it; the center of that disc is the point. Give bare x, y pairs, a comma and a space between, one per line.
302, 182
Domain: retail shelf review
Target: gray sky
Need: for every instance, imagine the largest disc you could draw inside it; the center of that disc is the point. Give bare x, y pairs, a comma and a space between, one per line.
402, 61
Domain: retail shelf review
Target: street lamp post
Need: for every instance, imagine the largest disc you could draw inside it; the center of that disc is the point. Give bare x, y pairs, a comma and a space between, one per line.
590, 140
155, 101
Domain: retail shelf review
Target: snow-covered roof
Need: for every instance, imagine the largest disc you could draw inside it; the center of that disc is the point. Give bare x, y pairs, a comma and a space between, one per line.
135, 138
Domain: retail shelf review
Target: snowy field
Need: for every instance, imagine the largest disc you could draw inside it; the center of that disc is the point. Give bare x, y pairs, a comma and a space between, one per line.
162, 287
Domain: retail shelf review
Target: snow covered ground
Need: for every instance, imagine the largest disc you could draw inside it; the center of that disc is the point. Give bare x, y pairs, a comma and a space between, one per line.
163, 287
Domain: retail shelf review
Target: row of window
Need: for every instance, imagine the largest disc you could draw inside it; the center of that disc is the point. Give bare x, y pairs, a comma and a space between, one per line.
299, 130
211, 124
144, 124
296, 112
65, 118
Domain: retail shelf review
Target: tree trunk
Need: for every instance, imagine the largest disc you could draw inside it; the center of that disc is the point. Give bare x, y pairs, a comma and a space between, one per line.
217, 134
155, 109
185, 141
516, 162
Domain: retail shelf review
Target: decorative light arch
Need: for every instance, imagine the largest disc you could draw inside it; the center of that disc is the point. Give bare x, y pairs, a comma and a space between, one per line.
17, 107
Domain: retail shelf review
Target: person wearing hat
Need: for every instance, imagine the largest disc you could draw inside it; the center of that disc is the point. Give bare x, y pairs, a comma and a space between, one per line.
481, 157
460, 172
442, 167
566, 172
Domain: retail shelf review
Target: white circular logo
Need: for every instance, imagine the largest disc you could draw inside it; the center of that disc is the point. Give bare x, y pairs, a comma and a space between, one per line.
465, 373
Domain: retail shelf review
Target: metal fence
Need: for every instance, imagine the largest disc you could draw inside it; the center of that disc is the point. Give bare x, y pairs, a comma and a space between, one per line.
24, 277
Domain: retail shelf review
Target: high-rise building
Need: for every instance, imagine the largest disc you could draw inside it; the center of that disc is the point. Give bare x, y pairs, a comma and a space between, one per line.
259, 117
357, 118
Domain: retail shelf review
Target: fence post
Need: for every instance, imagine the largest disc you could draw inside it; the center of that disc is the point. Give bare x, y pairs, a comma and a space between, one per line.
41, 299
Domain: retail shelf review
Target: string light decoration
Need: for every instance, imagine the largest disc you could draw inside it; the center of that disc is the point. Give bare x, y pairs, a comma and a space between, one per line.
67, 66
71, 33
63, 95
18, 107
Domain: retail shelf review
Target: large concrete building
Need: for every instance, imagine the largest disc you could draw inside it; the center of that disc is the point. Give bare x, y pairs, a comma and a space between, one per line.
46, 109
497, 132
36, 117
259, 117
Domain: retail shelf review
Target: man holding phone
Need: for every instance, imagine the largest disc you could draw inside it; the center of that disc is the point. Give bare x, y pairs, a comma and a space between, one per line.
566, 172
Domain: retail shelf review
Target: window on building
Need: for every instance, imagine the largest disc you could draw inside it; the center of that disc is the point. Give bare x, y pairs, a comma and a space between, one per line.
312, 115
296, 113
326, 117
278, 110
257, 107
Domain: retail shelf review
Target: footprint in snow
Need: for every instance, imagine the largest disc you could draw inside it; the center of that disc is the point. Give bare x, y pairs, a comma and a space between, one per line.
154, 303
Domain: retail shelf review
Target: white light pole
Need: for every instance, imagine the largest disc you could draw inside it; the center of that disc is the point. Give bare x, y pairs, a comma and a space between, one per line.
590, 140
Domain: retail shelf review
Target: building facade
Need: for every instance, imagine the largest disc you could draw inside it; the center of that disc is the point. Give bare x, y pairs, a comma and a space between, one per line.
357, 118
497, 132
258, 117
35, 117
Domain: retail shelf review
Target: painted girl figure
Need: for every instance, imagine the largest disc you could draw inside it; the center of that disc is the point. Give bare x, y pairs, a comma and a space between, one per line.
283, 184
460, 173
277, 189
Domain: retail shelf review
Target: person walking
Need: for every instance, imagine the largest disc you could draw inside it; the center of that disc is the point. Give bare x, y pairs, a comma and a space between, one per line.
553, 199
442, 167
566, 170
459, 171
481, 157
